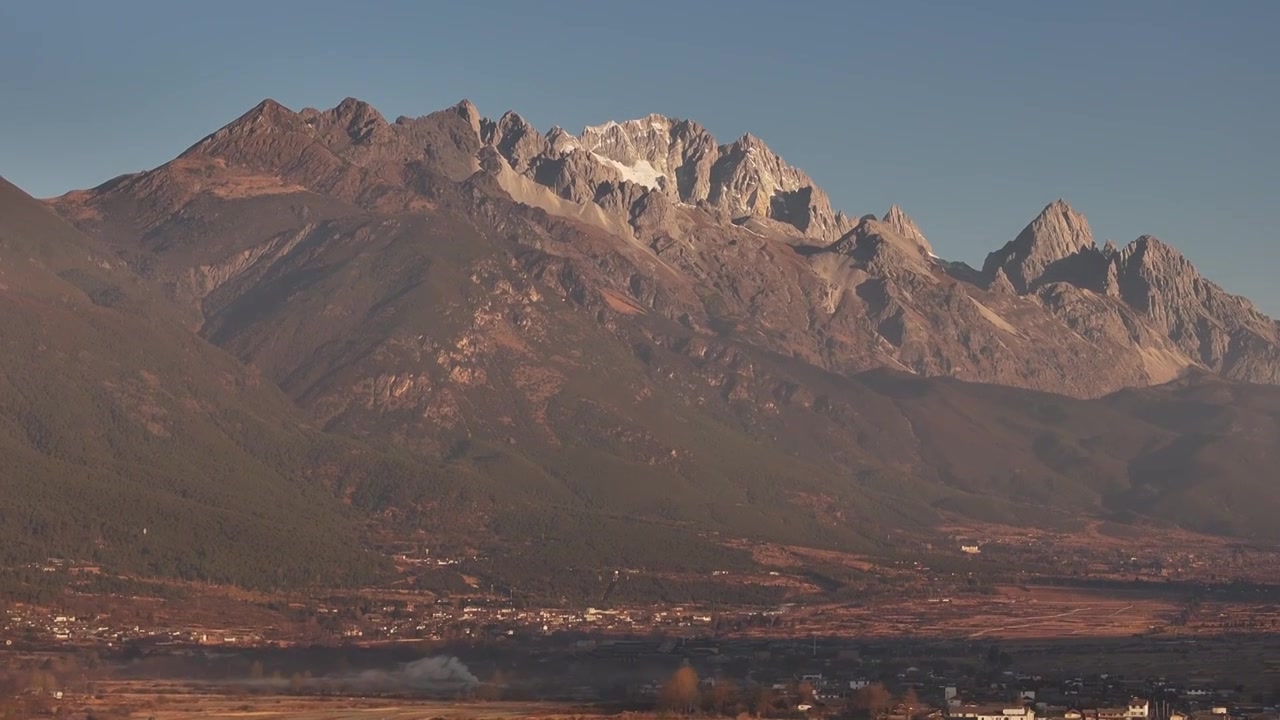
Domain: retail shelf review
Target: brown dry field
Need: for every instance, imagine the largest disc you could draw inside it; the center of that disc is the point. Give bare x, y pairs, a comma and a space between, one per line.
1009, 614
1248, 661
1032, 613
151, 700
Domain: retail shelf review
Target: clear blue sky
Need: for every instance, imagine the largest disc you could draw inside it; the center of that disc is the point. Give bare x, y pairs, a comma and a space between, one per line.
1149, 117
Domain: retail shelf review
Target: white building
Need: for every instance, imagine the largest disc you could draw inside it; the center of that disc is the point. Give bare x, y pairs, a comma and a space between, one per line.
992, 712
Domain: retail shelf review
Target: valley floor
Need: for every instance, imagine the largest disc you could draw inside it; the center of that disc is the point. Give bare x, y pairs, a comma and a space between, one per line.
145, 702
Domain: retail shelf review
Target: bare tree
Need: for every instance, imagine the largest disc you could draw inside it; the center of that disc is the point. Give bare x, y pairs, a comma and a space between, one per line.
724, 696
761, 701
680, 693
873, 700
805, 692
910, 702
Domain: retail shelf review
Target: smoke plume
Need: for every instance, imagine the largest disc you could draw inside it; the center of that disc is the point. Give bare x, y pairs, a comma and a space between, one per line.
439, 674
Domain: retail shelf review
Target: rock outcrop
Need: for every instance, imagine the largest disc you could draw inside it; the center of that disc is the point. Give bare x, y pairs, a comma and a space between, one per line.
1056, 234
1223, 332
902, 224
680, 159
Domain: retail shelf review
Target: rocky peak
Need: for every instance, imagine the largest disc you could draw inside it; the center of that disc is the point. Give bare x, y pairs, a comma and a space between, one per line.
747, 143
267, 112
467, 110
561, 142
1148, 249
883, 251
249, 137
511, 121
651, 124
1222, 331
742, 179
750, 180
351, 122
657, 152
264, 118
1057, 233
1000, 283
355, 110
1152, 274
906, 227
518, 141
648, 139
576, 176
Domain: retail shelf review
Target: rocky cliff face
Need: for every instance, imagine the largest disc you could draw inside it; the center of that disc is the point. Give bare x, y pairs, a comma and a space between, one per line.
1221, 331
903, 225
652, 218
1054, 258
679, 159
1057, 235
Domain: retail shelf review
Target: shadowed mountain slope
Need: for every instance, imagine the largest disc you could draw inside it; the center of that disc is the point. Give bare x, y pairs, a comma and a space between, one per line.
127, 440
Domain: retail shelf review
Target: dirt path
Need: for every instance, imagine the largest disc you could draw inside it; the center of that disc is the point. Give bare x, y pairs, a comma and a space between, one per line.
1029, 622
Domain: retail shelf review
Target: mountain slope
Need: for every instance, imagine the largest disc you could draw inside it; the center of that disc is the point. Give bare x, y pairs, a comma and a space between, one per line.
637, 336
126, 440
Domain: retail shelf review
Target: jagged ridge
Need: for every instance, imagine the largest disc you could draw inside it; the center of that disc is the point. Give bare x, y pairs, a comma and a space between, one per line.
1049, 310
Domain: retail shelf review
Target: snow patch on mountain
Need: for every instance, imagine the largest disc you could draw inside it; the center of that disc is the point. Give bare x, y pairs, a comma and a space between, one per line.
642, 173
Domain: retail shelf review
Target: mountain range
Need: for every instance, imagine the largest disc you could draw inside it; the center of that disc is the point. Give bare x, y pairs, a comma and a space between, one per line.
626, 347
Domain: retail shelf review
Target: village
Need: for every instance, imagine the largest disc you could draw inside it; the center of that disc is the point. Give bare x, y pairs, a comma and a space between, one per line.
993, 628
620, 658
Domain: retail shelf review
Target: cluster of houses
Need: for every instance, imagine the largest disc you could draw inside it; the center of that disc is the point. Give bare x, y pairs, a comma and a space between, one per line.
477, 619
1028, 709
1136, 709
27, 627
